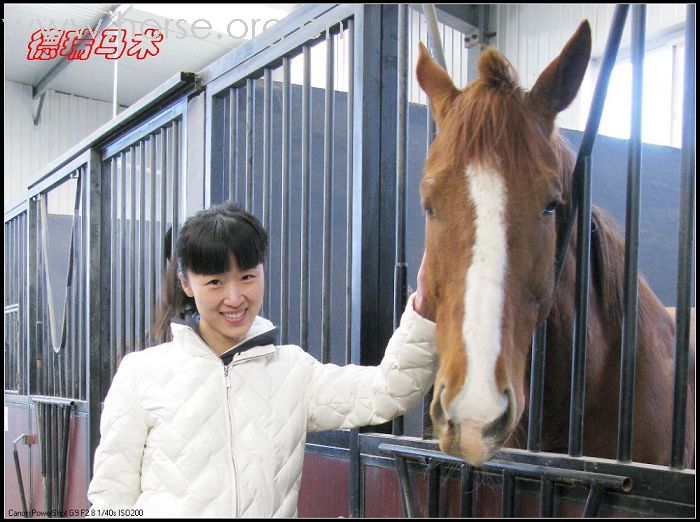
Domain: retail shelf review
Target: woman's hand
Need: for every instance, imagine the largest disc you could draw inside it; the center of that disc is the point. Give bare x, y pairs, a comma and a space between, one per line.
422, 305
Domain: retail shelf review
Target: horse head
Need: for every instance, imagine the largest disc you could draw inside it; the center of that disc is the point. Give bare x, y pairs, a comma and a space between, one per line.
492, 182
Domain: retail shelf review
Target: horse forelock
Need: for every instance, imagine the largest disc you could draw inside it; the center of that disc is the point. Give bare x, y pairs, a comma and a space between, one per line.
492, 125
497, 71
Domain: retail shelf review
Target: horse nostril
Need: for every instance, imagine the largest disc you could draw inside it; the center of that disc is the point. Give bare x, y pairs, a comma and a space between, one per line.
501, 423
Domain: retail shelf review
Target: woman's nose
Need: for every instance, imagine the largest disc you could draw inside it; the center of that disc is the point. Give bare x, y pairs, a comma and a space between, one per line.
234, 296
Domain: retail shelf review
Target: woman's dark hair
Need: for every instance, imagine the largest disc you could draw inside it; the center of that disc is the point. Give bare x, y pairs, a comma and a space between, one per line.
204, 246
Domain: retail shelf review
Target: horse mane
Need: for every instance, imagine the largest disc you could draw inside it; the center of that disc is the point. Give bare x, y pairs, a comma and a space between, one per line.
607, 249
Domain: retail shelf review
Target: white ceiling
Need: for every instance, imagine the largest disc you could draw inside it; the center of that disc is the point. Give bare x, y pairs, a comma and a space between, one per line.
197, 36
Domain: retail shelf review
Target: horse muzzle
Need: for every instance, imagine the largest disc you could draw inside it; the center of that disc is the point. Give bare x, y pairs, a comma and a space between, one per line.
471, 440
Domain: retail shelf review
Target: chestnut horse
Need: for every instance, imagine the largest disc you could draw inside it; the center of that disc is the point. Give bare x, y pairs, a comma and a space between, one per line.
496, 188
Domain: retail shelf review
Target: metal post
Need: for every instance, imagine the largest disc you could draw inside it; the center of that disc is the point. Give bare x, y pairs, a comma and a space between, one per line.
349, 198
327, 197
250, 141
434, 34
284, 221
467, 489
611, 47
305, 172
580, 327
539, 349
631, 281
400, 289
546, 498
407, 499
267, 169
686, 250
434, 489
508, 495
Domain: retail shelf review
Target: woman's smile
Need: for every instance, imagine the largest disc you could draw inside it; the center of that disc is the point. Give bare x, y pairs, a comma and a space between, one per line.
235, 318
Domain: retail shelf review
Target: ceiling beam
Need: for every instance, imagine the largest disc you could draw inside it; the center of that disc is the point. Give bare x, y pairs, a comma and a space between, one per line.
42, 85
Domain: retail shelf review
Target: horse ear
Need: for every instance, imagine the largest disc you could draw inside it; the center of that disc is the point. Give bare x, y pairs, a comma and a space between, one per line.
559, 83
436, 83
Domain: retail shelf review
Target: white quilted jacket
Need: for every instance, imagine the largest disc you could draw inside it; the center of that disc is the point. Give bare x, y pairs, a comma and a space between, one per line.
183, 435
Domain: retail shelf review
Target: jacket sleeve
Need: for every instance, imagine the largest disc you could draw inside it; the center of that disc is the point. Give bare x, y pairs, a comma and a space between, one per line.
116, 481
352, 396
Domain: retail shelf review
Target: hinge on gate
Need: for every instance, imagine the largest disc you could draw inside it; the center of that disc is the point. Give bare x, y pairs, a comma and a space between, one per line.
470, 40
26, 439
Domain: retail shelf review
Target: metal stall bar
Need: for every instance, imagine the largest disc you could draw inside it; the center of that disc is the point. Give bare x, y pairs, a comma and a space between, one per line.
71, 311
349, 169
400, 289
33, 289
631, 280
164, 208
284, 221
686, 244
154, 245
267, 154
434, 35
539, 354
78, 284
78, 287
592, 123
507, 494
113, 260
232, 128
580, 323
131, 254
580, 184
99, 330
27, 439
466, 483
175, 168
546, 497
249, 142
53, 419
434, 491
141, 270
598, 483
121, 288
42, 297
407, 498
305, 169
365, 211
24, 293
327, 197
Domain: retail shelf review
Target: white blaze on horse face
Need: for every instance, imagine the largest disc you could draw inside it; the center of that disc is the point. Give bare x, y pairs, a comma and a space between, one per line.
480, 400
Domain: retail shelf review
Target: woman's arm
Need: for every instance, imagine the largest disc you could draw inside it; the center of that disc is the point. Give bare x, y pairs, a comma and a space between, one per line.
352, 396
116, 481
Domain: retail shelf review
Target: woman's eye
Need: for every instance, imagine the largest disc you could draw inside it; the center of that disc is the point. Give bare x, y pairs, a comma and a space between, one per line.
549, 209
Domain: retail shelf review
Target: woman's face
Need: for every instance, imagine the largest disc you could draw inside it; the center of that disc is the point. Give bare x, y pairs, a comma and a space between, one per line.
227, 303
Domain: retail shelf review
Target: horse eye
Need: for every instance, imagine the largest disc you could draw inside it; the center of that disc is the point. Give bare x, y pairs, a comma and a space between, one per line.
549, 209
429, 211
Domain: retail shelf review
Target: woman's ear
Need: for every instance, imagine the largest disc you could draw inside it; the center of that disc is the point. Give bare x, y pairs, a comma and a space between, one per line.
185, 285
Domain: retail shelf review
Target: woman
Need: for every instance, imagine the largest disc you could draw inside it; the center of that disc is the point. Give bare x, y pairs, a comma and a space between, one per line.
213, 423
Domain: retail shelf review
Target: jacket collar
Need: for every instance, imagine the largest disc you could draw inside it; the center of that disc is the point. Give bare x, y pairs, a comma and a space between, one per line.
260, 339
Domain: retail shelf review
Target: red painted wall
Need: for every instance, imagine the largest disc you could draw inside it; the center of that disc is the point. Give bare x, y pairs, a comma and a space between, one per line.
324, 487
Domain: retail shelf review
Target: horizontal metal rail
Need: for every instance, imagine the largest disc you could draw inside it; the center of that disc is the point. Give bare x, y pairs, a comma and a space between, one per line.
598, 483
